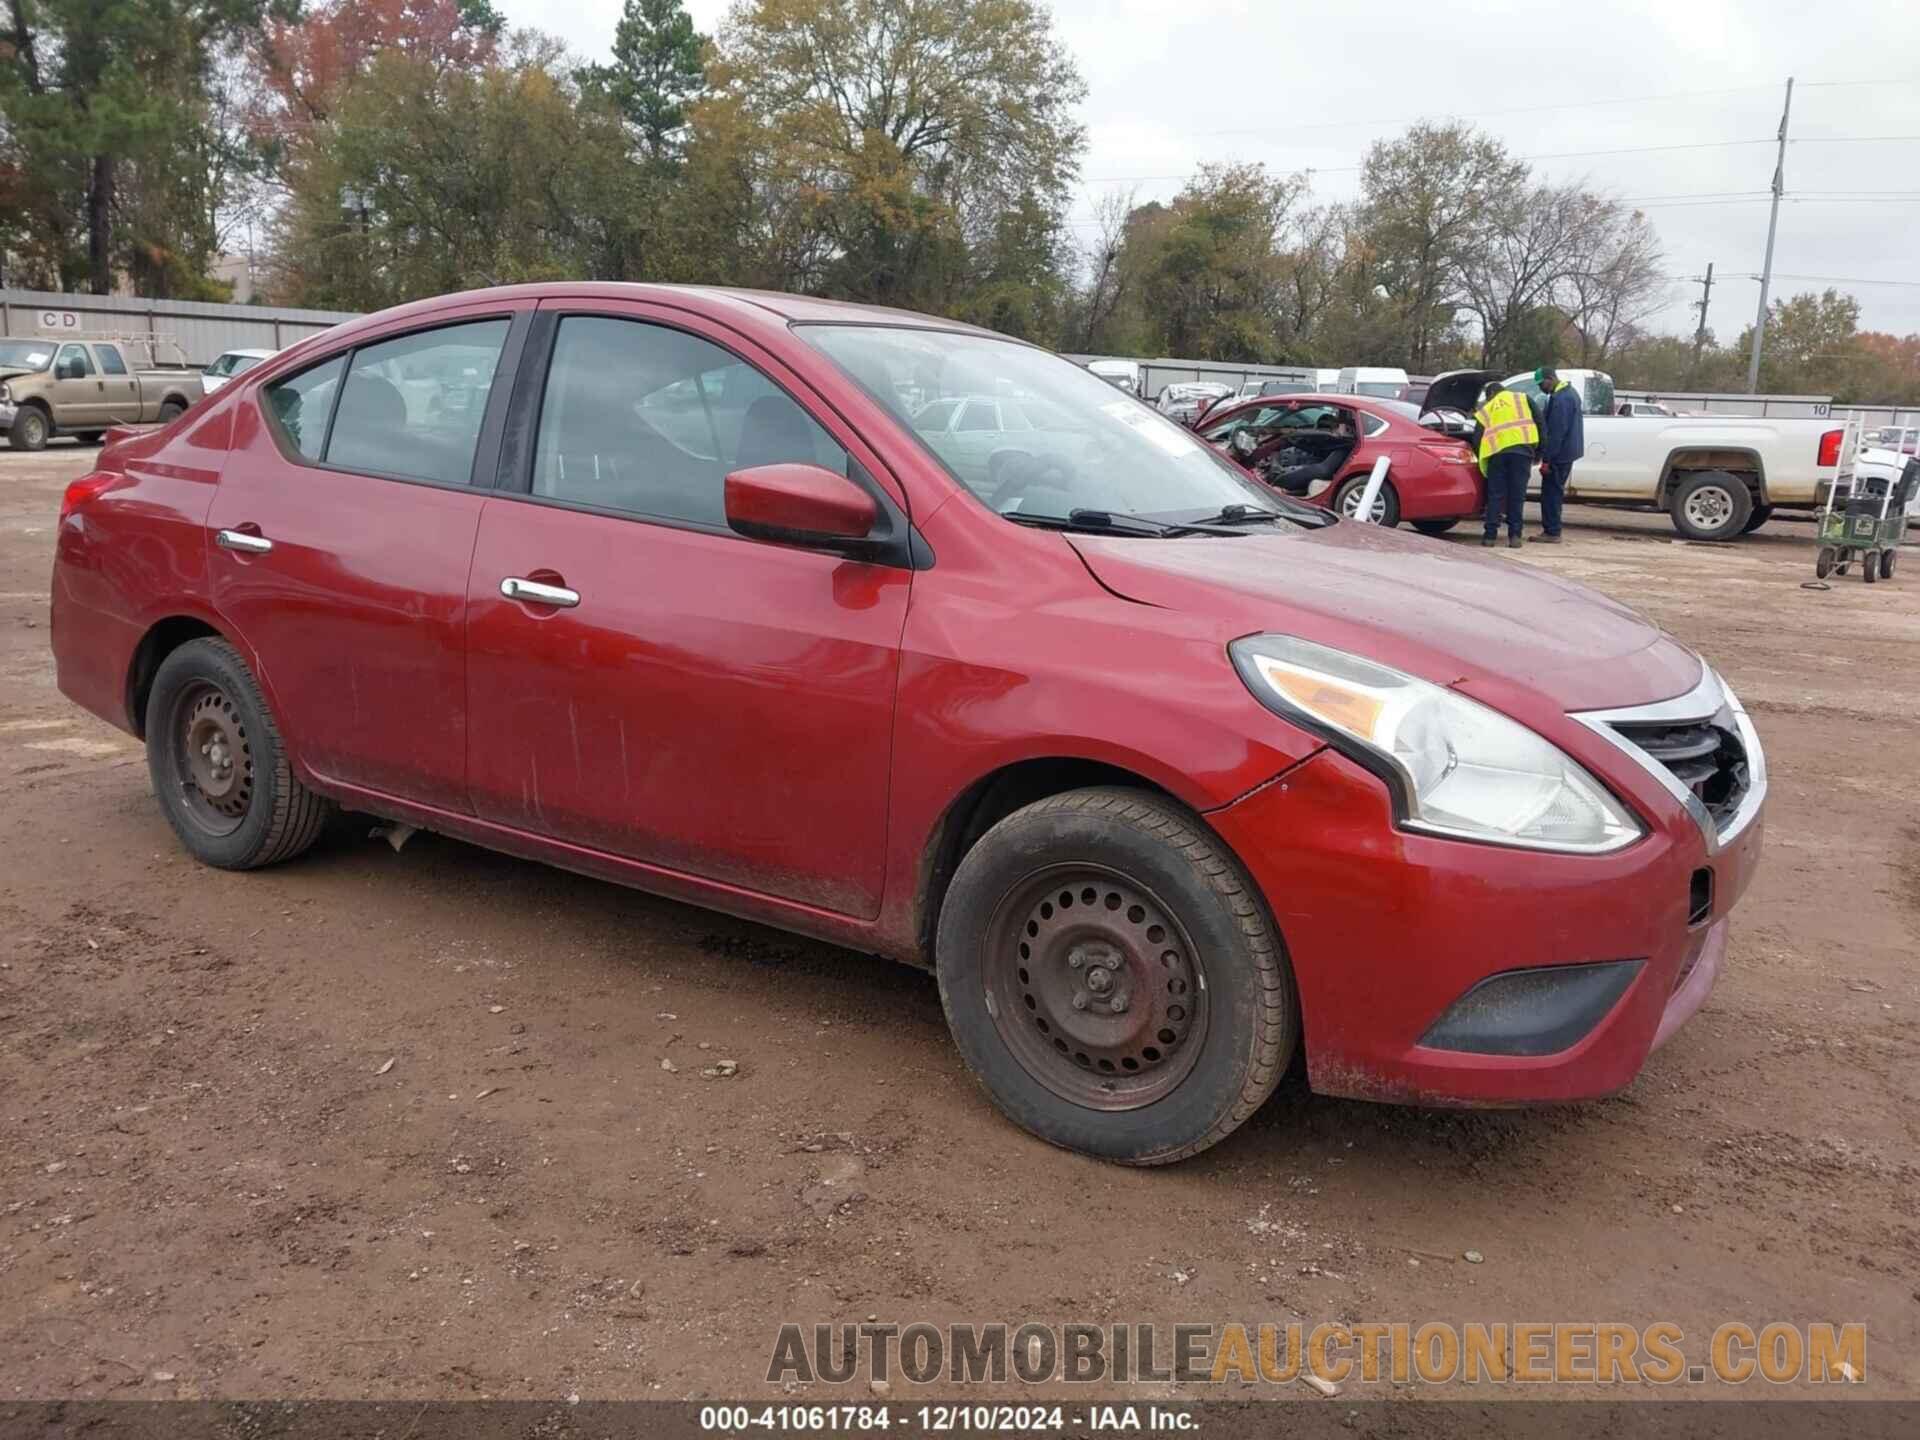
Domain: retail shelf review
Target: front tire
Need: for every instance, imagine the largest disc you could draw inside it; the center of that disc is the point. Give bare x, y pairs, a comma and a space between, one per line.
1712, 505
1434, 527
1386, 505
219, 766
31, 429
1112, 977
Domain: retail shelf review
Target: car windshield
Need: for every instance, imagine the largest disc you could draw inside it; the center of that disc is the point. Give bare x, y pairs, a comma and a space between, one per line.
25, 354
1084, 449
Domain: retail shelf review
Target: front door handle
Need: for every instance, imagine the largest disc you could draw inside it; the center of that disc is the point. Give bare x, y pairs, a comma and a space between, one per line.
241, 540
534, 593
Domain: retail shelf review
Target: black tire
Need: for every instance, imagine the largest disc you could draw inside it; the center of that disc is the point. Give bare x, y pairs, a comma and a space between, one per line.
31, 429
1243, 1017
1886, 564
1761, 514
1434, 527
1346, 497
1870, 566
170, 411
263, 815
1711, 505
1823, 562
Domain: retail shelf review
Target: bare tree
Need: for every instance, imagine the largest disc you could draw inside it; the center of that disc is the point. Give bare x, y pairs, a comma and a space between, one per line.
1108, 284
1619, 280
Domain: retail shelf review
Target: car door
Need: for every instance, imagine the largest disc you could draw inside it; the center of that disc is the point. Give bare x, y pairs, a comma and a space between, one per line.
674, 693
120, 390
77, 392
342, 529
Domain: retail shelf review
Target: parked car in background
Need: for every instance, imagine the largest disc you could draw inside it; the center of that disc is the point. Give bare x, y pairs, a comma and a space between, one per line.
1382, 382
1645, 408
1321, 449
230, 364
1274, 386
1903, 438
1183, 402
1717, 476
1124, 374
84, 387
1164, 776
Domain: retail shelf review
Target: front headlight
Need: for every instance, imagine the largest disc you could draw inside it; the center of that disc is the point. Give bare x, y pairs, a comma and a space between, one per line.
6, 395
1456, 767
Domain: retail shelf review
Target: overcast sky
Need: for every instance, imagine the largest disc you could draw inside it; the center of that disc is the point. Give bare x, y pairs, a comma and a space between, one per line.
1172, 83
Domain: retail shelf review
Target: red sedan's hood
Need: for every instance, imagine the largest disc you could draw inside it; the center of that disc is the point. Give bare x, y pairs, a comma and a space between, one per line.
1485, 624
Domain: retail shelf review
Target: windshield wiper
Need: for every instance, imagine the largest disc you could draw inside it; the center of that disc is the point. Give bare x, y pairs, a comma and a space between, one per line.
1245, 515
1100, 521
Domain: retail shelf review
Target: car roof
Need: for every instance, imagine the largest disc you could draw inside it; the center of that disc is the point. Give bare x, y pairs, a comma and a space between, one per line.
745, 309
256, 354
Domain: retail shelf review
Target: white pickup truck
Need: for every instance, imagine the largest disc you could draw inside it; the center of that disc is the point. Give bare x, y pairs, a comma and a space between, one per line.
1717, 476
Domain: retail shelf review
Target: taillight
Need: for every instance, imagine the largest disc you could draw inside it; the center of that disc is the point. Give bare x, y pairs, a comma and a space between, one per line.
1830, 446
83, 490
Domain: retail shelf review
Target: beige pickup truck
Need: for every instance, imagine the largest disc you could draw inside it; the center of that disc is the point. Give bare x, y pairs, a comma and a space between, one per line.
83, 386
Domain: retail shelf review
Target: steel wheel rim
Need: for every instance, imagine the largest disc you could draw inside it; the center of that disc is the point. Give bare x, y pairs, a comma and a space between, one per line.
1068, 944
1710, 507
213, 758
35, 431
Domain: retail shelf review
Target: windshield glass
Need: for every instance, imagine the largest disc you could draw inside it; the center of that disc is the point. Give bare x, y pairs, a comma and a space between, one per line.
1599, 396
25, 354
1076, 445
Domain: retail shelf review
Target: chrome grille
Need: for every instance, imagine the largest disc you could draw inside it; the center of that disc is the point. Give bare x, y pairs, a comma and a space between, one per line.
1708, 759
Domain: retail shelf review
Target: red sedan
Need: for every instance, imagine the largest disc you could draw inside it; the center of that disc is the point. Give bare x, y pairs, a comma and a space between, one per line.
714, 594
1322, 447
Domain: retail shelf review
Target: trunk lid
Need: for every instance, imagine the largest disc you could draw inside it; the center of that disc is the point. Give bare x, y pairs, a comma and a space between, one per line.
1456, 390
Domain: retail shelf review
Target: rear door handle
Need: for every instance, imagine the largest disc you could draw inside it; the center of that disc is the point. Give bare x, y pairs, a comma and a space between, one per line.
241, 540
534, 593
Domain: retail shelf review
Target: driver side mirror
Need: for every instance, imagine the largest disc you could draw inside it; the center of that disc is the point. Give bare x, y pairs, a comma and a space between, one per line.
67, 370
798, 504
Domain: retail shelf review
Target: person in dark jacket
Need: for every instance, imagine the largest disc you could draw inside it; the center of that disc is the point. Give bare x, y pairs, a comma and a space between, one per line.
1563, 440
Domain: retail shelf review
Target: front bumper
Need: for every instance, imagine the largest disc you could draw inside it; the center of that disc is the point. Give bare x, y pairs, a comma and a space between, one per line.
1386, 930
7, 413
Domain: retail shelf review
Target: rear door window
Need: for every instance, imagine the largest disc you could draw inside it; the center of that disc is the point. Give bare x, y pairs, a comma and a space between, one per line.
299, 405
412, 407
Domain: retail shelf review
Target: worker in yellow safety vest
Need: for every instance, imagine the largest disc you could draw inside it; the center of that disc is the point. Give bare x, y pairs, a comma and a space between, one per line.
1506, 437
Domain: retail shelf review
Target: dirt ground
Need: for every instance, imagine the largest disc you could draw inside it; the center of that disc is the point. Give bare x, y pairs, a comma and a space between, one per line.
397, 1125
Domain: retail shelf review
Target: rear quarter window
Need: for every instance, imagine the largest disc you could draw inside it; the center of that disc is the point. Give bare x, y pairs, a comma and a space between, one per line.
299, 405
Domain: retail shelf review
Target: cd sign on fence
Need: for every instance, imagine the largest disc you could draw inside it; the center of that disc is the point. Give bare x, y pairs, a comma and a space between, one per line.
58, 321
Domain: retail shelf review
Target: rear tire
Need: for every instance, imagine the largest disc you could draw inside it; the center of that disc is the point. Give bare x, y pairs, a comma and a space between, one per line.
1434, 527
1386, 506
1112, 978
1886, 564
31, 429
1712, 505
170, 411
1870, 566
219, 766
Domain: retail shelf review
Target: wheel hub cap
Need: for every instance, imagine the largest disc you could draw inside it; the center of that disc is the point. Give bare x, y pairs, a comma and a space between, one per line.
1709, 508
1096, 988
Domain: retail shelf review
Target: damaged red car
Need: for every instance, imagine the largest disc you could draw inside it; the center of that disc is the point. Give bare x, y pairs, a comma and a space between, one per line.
725, 596
1321, 448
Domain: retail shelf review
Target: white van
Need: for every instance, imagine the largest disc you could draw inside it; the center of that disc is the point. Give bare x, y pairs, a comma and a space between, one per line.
1383, 382
1124, 374
1326, 382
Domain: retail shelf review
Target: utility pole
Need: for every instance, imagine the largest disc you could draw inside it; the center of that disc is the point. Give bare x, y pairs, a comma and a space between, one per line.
1700, 333
1773, 225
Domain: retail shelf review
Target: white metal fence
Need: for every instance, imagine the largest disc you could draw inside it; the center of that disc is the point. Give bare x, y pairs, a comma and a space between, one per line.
204, 331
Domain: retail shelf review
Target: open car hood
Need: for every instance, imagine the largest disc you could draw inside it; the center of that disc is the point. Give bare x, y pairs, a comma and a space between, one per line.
1456, 390
1491, 627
